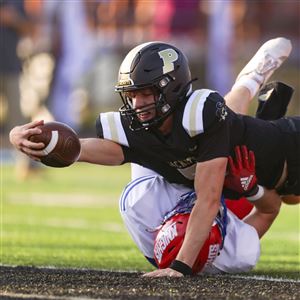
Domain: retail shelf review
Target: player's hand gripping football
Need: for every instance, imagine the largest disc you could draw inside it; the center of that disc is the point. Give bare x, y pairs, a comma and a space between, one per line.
241, 178
55, 144
19, 138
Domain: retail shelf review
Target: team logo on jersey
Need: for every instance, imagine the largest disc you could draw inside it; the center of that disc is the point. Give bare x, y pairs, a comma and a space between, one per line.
221, 110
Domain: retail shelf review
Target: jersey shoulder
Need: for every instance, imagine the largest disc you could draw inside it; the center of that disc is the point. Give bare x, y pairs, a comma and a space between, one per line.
109, 126
203, 109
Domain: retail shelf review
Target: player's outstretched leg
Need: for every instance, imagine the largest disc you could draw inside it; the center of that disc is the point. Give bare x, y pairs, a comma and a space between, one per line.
267, 59
256, 73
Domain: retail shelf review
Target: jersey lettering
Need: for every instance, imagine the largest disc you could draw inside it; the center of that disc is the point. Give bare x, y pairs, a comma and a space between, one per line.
213, 253
186, 167
168, 56
188, 172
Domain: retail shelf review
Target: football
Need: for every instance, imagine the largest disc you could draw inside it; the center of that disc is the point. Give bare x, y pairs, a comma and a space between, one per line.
62, 144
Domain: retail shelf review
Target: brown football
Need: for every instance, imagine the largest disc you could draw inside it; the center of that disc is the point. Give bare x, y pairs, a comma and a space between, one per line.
62, 144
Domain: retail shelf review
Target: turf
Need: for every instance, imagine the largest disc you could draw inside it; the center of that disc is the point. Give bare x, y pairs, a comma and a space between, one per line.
69, 218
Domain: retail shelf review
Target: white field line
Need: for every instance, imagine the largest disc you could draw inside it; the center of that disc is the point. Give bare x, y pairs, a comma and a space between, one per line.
262, 278
35, 296
66, 200
70, 223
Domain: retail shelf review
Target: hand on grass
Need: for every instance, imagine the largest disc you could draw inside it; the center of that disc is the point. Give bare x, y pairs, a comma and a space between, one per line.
168, 272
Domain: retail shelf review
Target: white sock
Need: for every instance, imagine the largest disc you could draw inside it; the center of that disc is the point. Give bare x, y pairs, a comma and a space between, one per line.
251, 84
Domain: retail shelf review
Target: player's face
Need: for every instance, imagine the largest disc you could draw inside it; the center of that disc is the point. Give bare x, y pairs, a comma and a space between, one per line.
143, 101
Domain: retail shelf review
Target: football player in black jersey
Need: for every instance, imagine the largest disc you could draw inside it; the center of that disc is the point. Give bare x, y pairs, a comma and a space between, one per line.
187, 136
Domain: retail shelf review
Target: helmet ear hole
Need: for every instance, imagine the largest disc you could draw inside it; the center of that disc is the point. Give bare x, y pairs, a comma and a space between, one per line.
171, 249
177, 88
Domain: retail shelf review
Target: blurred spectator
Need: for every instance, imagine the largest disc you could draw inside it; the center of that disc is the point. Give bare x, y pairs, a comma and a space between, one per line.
162, 18
116, 30
112, 19
14, 24
73, 44
183, 24
219, 75
37, 66
144, 12
179, 22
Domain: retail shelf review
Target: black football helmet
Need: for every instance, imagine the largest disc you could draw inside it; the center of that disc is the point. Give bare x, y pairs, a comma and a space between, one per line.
161, 67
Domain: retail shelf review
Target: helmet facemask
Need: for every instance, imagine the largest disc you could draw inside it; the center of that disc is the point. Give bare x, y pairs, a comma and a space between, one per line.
160, 104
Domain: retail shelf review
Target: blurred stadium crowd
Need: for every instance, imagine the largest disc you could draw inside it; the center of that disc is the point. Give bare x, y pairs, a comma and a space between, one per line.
60, 59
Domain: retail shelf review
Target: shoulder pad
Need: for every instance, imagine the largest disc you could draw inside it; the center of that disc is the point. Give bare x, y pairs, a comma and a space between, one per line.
112, 128
193, 112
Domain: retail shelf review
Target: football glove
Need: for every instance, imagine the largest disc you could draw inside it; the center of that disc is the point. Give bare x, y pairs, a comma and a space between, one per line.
241, 178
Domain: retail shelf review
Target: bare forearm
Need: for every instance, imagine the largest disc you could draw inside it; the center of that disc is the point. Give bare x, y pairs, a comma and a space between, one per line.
208, 185
199, 226
100, 151
265, 212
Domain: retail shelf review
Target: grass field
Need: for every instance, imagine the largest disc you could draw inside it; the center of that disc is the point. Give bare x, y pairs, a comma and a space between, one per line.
69, 218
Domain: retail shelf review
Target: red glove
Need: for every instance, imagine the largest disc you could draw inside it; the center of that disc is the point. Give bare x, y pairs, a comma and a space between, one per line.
241, 178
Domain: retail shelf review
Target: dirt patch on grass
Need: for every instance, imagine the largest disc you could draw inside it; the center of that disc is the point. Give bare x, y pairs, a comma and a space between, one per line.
44, 283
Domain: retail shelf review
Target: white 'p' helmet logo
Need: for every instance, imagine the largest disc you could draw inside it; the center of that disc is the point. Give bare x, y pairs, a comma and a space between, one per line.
169, 56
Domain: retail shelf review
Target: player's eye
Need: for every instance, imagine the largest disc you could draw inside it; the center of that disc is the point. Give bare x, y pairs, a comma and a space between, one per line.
147, 94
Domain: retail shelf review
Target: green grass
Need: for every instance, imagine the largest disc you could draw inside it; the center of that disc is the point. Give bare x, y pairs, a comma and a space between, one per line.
70, 218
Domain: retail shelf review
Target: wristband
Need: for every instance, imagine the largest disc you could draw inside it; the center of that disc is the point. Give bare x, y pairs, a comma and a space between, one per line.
181, 267
258, 195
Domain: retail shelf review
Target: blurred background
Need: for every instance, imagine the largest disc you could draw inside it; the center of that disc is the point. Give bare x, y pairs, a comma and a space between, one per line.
60, 59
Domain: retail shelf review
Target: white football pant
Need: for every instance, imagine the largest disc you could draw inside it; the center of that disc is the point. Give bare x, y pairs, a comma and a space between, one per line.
146, 200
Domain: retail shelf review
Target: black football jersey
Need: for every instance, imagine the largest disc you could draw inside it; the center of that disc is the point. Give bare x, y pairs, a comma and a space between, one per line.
203, 128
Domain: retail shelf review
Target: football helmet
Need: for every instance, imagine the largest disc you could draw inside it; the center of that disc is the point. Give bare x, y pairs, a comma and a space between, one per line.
160, 67
170, 238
